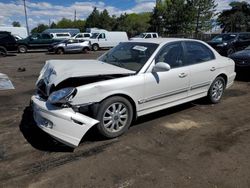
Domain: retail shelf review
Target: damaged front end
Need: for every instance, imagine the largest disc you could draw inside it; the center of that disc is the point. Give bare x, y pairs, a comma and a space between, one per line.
53, 109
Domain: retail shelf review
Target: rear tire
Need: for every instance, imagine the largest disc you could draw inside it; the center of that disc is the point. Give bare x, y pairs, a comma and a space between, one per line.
3, 52
216, 90
115, 115
22, 49
95, 47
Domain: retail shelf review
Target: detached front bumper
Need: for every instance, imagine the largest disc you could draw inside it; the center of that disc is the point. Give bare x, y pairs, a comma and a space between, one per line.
64, 124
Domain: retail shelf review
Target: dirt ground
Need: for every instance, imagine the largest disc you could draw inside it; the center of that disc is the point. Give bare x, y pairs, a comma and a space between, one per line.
194, 145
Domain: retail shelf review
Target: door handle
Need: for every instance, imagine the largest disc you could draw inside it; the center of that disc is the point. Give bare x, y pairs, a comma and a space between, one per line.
213, 69
183, 75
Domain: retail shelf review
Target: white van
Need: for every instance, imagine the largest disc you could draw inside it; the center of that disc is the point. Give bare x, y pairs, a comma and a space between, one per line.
60, 35
107, 39
82, 36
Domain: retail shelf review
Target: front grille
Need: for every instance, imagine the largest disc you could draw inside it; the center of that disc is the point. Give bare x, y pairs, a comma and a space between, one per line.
41, 89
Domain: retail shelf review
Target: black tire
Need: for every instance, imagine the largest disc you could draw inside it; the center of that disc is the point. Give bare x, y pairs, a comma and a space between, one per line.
3, 52
216, 90
60, 51
95, 47
117, 118
85, 50
230, 51
22, 49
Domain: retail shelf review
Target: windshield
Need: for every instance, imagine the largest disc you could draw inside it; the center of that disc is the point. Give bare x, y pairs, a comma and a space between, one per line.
94, 35
224, 37
129, 55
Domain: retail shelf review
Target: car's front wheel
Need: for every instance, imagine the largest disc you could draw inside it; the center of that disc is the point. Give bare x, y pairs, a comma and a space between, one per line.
115, 115
216, 90
22, 49
60, 51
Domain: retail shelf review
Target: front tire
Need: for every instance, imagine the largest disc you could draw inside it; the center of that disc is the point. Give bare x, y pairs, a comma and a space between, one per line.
115, 115
216, 90
60, 51
22, 49
230, 51
95, 47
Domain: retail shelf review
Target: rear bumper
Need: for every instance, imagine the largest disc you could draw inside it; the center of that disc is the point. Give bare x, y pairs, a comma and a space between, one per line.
231, 79
64, 124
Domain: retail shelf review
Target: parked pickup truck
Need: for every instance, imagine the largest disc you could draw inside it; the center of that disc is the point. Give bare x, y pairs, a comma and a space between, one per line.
145, 36
36, 41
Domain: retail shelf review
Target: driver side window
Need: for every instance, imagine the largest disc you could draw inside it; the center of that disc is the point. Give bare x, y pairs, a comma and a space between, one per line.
171, 54
102, 36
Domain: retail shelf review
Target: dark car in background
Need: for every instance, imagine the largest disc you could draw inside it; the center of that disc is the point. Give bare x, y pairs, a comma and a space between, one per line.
7, 43
242, 60
229, 43
36, 41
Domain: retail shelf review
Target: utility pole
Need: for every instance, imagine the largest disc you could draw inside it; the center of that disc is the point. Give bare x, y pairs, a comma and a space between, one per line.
26, 18
75, 16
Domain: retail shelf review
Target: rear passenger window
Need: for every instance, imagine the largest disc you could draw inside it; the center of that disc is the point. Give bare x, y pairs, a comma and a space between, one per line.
154, 36
197, 52
86, 35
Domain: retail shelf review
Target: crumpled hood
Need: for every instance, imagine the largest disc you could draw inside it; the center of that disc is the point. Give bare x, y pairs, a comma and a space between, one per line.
55, 71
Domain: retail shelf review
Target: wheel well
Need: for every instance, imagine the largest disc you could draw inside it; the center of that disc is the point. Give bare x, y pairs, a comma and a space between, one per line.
61, 48
224, 77
129, 99
3, 48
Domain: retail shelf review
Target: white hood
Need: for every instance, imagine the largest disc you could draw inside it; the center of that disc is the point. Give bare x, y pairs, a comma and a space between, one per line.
55, 71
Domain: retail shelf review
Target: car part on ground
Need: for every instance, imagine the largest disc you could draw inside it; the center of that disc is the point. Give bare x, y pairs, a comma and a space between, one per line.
130, 80
5, 83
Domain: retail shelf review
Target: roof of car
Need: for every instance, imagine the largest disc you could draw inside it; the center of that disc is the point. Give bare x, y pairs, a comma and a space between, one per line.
162, 40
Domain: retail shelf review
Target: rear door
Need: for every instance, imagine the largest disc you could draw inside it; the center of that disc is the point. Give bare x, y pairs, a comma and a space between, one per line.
202, 65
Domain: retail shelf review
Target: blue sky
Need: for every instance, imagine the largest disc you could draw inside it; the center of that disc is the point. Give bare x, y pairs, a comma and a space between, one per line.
41, 11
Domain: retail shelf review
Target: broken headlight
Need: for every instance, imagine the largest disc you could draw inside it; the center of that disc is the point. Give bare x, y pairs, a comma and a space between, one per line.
62, 96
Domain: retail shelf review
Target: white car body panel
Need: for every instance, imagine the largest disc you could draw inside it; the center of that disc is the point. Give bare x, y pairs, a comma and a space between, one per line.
5, 82
149, 91
64, 127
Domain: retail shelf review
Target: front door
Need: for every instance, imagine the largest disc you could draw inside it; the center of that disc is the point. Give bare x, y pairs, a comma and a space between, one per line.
165, 88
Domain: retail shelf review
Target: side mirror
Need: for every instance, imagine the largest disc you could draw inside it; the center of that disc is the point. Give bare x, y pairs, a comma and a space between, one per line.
161, 67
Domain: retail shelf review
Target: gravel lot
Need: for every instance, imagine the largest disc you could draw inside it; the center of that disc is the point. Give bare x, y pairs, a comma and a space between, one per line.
191, 145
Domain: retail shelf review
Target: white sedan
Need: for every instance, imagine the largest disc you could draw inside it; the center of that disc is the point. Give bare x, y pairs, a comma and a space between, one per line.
133, 79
